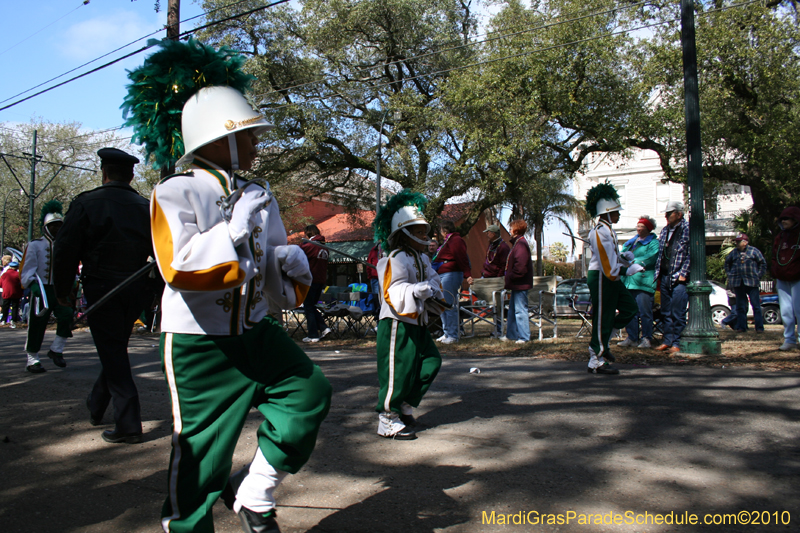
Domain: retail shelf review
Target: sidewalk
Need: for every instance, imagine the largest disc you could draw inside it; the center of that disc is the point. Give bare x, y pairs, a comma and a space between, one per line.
522, 435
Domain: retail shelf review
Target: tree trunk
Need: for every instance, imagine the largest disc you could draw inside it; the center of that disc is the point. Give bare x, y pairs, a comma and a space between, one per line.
538, 231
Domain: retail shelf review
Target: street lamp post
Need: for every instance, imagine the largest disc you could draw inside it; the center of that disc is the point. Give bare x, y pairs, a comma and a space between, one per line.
700, 335
3, 238
378, 166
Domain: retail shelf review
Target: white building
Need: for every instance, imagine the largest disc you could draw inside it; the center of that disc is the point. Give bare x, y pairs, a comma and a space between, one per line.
644, 190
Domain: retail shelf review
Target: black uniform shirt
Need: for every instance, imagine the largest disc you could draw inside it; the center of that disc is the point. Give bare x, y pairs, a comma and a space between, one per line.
108, 229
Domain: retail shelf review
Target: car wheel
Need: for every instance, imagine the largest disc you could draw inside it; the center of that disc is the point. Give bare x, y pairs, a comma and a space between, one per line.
772, 315
719, 312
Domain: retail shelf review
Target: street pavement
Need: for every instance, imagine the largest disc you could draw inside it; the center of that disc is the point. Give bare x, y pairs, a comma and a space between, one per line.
523, 438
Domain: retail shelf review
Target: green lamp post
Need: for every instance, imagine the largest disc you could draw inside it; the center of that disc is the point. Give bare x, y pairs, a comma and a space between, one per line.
700, 335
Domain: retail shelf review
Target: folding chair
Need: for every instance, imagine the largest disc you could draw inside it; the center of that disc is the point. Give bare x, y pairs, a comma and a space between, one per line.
485, 298
293, 320
542, 303
582, 308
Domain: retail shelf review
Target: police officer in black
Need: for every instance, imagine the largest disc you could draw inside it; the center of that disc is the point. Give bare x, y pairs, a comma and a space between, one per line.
108, 230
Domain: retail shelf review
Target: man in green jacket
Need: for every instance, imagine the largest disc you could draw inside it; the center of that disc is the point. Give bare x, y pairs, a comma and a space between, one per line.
639, 280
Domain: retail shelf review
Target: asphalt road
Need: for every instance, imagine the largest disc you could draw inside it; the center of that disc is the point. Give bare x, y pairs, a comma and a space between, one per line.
522, 438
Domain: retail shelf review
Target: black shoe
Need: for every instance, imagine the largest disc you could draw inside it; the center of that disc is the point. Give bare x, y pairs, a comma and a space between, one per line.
253, 522
115, 438
92, 420
234, 480
36, 368
408, 420
608, 356
605, 369
58, 359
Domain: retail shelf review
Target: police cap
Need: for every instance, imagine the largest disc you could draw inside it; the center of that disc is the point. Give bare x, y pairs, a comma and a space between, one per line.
112, 156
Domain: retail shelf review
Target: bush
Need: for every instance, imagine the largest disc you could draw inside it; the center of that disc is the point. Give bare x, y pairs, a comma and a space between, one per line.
565, 270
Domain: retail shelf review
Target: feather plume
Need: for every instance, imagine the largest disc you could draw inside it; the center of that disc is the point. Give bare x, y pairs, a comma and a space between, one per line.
165, 82
382, 225
597, 193
53, 206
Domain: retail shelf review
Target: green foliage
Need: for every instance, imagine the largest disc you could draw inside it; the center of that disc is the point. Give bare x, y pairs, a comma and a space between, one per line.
163, 84
558, 251
715, 267
558, 268
757, 228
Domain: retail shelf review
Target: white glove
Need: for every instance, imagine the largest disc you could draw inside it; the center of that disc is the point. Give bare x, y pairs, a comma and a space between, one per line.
423, 290
242, 222
634, 269
627, 256
294, 263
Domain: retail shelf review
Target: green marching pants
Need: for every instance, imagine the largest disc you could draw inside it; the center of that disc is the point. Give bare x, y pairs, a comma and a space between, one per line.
608, 297
408, 362
213, 383
37, 325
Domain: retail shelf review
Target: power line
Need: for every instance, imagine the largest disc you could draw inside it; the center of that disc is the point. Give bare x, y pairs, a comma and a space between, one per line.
124, 57
521, 54
83, 3
527, 29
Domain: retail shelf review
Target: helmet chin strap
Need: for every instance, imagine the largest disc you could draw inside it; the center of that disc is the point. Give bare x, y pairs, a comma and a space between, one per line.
415, 239
234, 151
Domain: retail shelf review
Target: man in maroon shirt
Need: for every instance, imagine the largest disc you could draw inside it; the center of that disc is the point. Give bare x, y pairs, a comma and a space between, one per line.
318, 263
454, 269
495, 266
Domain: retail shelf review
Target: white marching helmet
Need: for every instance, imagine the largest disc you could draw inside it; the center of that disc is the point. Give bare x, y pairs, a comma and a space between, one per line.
53, 217
408, 215
605, 205
216, 112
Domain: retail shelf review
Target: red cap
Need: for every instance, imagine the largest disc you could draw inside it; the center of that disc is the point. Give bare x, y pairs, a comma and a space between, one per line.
742, 237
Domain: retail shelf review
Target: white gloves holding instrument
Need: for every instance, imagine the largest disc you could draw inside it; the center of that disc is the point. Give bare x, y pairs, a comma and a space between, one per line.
243, 219
626, 258
634, 269
294, 263
423, 290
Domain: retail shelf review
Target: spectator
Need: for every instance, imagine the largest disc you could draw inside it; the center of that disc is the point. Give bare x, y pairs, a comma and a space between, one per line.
375, 254
519, 279
641, 283
453, 270
6, 261
608, 293
672, 271
433, 245
745, 266
786, 269
495, 267
318, 263
12, 293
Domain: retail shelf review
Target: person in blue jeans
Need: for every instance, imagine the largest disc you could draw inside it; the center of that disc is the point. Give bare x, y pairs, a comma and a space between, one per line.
745, 266
518, 280
672, 271
454, 268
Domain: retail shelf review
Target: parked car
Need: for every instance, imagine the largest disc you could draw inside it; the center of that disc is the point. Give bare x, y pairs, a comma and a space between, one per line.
720, 309
564, 293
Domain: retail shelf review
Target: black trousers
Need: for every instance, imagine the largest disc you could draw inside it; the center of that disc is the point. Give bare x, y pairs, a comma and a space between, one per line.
11, 304
111, 327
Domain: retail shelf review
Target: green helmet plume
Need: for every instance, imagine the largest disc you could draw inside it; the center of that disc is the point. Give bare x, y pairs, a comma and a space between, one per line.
382, 225
164, 83
601, 191
53, 206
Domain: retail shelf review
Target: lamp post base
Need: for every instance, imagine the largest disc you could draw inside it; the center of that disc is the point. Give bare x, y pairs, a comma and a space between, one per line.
700, 336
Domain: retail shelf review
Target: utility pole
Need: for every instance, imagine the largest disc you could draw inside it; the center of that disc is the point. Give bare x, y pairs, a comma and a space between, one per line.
173, 31
32, 196
700, 335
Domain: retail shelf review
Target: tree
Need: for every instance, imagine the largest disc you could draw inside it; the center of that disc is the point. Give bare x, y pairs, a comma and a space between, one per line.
337, 77
558, 251
749, 65
56, 145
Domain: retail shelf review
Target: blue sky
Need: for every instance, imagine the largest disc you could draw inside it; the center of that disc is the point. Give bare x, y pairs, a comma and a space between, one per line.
46, 38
